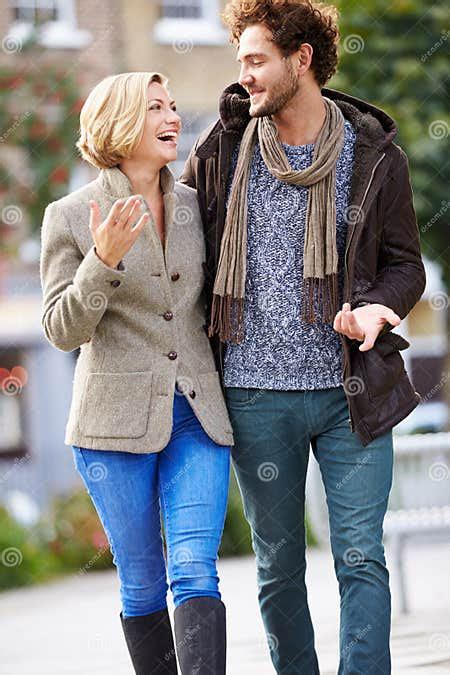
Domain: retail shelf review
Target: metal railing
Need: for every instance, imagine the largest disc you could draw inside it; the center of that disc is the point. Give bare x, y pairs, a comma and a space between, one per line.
419, 502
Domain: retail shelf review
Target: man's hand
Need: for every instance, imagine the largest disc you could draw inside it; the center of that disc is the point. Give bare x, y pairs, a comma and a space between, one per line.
364, 323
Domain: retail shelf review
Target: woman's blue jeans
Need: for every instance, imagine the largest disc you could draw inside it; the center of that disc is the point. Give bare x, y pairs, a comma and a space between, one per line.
188, 481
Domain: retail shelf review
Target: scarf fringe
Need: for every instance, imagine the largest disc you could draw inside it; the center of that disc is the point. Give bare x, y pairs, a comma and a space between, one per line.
227, 318
326, 291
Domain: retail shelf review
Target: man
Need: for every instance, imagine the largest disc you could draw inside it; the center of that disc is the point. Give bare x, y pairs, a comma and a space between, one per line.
313, 256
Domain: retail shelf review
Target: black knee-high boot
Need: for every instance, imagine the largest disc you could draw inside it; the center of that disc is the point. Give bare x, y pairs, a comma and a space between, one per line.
150, 643
200, 635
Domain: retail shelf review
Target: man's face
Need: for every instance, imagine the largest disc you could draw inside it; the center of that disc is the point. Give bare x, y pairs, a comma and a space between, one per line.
269, 78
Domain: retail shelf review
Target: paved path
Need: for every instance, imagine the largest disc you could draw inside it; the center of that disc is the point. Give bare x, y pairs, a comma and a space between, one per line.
72, 625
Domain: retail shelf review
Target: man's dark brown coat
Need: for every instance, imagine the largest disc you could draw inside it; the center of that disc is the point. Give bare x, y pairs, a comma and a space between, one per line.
383, 262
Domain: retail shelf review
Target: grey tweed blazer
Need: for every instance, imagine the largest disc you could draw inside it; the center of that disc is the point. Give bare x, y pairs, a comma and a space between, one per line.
140, 326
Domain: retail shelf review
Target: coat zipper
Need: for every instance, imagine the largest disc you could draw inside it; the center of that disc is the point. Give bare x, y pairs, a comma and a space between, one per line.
346, 361
362, 204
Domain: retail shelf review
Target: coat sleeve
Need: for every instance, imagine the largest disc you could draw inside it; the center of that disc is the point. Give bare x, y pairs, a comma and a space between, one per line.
400, 280
76, 288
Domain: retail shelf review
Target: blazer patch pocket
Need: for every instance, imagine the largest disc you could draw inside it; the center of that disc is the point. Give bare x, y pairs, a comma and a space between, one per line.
116, 405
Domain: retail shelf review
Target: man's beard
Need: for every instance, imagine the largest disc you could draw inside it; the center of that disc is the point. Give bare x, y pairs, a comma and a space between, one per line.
281, 93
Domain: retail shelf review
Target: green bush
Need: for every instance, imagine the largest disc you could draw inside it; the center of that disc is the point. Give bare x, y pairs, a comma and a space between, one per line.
236, 539
79, 540
24, 559
69, 538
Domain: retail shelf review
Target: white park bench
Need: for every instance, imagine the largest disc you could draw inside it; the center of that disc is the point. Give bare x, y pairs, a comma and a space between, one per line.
419, 503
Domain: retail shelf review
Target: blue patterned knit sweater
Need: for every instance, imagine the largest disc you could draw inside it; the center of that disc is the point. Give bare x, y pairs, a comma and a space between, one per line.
280, 350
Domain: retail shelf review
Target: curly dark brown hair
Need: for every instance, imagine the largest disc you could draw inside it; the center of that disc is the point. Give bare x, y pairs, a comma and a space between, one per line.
292, 22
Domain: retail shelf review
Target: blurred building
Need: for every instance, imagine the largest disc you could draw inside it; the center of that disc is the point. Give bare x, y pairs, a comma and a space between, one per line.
427, 359
186, 41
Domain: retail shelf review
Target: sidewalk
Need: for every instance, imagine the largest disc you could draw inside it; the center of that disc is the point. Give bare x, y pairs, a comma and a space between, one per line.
72, 625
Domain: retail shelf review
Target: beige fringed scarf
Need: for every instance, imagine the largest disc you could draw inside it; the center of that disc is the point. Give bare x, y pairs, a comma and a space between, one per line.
320, 263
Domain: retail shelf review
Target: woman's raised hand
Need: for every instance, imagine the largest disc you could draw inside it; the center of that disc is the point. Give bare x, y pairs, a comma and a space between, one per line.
115, 236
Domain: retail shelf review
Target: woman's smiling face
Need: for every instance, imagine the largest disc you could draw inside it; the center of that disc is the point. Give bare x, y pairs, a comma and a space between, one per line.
162, 128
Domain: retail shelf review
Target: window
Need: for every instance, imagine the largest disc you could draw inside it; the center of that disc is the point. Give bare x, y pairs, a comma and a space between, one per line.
54, 21
197, 21
31, 11
12, 439
182, 9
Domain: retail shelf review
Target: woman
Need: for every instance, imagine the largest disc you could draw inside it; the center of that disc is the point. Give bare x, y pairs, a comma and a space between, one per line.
122, 278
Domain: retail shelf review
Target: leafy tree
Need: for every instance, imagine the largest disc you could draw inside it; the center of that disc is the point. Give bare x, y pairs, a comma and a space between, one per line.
396, 56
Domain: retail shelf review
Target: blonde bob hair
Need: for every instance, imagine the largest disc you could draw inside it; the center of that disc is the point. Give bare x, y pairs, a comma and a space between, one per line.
113, 116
